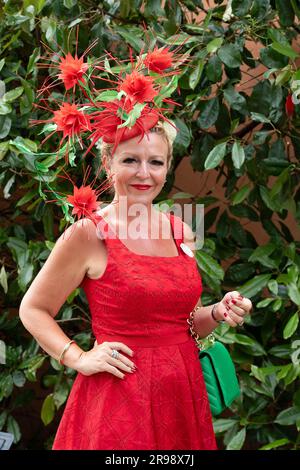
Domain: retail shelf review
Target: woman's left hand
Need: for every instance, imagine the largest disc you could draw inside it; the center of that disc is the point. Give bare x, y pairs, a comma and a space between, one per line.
234, 308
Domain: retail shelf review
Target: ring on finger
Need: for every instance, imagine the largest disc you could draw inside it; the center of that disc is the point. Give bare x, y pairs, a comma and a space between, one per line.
115, 354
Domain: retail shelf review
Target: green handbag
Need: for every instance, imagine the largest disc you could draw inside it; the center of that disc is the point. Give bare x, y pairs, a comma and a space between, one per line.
220, 377
218, 371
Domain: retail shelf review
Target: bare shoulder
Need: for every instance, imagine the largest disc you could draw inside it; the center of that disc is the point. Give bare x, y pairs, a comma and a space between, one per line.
64, 269
78, 233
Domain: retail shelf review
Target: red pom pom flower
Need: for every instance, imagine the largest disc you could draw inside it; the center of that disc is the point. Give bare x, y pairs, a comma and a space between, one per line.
72, 70
71, 121
159, 59
138, 88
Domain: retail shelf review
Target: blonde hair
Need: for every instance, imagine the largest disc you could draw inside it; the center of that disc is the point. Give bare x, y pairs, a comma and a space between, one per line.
160, 129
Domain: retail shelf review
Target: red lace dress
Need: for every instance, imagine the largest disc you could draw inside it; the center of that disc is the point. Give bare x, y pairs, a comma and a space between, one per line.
144, 302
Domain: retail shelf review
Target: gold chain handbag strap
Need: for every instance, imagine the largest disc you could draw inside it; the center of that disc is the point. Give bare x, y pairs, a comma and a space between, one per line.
199, 341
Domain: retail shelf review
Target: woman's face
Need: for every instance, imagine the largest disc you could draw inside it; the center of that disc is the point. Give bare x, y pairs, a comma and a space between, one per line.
140, 163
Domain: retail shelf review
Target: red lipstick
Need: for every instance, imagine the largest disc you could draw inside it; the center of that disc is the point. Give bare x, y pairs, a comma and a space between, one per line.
142, 187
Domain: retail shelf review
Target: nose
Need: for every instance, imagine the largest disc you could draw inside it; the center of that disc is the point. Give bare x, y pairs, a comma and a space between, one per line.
143, 170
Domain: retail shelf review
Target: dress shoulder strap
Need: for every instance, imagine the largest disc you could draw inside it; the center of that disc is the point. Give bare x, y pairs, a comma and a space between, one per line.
177, 228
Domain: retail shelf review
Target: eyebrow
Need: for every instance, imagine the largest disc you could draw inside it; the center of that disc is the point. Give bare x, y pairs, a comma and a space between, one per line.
135, 155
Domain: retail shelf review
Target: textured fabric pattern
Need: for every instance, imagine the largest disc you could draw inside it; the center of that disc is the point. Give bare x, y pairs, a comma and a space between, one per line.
144, 302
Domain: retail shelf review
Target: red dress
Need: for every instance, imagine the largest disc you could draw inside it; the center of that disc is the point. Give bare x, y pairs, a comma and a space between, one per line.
144, 302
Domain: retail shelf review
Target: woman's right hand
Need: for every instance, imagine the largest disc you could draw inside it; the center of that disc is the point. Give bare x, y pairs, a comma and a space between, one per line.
99, 359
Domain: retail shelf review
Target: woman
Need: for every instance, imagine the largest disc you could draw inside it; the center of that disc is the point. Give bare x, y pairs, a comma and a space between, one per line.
141, 385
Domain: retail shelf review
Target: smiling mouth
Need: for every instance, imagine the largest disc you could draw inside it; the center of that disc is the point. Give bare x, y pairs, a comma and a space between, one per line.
141, 186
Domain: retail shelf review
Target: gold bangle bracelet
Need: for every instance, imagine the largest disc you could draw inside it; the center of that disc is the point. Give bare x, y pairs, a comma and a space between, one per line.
65, 350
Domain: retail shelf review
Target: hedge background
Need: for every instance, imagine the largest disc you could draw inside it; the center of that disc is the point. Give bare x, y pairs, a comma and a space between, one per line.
248, 135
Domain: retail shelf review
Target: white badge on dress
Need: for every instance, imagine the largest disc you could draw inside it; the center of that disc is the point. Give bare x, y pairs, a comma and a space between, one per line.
186, 250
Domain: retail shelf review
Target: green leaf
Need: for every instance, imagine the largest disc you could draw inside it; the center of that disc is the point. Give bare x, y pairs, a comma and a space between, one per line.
236, 100
38, 5
294, 293
12, 95
221, 425
282, 178
108, 95
273, 204
241, 195
5, 127
286, 12
238, 154
215, 156
133, 115
291, 326
251, 344
33, 60
295, 8
27, 197
275, 444
25, 276
70, 3
230, 55
209, 112
6, 385
272, 59
260, 118
3, 417
131, 38
237, 442
241, 9
14, 428
179, 39
183, 137
255, 285
283, 77
264, 250
8, 186
214, 69
273, 286
48, 410
18, 378
3, 279
285, 49
288, 417
264, 303
214, 45
196, 74
209, 265
4, 108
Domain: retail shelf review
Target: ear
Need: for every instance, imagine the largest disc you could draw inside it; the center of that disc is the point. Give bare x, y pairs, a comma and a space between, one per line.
105, 164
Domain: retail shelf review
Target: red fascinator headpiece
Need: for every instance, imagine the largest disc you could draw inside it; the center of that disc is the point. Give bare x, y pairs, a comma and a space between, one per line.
104, 99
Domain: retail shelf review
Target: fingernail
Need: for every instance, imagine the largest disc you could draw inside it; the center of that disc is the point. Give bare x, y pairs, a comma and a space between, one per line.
233, 301
227, 308
225, 314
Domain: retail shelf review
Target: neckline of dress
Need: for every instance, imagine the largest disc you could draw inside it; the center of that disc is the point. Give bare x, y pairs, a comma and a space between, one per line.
139, 254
